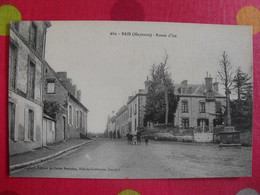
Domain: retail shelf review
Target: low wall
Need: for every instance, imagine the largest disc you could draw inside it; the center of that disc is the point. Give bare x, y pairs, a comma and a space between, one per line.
170, 137
203, 137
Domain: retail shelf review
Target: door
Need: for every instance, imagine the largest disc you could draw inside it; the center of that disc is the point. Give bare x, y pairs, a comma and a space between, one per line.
202, 123
64, 126
31, 125
11, 112
44, 132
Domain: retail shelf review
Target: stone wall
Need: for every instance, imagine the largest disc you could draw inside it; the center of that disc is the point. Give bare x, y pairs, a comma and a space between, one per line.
75, 129
60, 96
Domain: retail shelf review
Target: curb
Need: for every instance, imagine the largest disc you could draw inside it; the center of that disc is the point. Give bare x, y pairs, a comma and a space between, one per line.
22, 165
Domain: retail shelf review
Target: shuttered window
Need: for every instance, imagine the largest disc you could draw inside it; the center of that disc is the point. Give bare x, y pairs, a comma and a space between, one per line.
31, 80
31, 124
12, 66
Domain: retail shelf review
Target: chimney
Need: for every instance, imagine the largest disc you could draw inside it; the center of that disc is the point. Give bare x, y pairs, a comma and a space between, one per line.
67, 83
74, 90
208, 82
62, 75
184, 84
79, 95
215, 85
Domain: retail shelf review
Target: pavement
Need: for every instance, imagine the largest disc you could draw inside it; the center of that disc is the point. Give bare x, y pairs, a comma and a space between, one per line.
39, 155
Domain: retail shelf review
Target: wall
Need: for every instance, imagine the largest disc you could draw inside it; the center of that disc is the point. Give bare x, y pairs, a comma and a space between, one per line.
203, 137
194, 112
74, 130
19, 96
60, 96
133, 115
122, 121
137, 101
22, 143
24, 54
24, 32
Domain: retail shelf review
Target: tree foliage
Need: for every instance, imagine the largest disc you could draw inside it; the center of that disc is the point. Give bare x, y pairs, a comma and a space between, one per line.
242, 84
51, 108
242, 108
161, 102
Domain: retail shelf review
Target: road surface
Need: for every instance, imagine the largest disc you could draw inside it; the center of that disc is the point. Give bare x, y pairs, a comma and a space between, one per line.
105, 158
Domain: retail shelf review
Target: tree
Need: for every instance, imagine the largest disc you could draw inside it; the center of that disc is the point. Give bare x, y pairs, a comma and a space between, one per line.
51, 108
241, 109
242, 85
161, 103
226, 77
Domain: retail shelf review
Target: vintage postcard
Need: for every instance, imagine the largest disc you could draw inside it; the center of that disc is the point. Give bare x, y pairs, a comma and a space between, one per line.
96, 99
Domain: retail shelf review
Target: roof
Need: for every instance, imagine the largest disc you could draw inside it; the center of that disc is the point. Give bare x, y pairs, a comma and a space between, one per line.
58, 80
78, 102
48, 117
121, 110
141, 92
195, 90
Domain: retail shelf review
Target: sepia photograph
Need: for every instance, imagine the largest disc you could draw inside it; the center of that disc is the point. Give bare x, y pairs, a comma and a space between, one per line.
130, 100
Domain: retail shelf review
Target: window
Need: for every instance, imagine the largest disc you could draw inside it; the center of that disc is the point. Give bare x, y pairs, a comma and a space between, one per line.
185, 123
12, 66
70, 114
77, 119
135, 124
31, 80
30, 124
33, 36
11, 120
184, 107
51, 87
135, 108
81, 119
202, 107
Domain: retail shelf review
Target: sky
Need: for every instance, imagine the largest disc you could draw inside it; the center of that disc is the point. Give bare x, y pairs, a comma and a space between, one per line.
108, 68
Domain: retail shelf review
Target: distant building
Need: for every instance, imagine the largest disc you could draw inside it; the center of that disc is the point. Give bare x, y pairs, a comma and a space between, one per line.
62, 101
136, 111
199, 105
25, 105
111, 126
122, 121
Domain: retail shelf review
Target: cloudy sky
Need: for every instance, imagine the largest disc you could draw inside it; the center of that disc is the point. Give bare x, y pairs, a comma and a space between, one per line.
109, 68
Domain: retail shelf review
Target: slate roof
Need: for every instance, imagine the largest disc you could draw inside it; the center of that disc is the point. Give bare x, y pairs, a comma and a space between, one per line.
196, 90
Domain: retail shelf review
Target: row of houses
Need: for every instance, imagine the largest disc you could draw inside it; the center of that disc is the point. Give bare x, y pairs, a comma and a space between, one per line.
200, 105
43, 105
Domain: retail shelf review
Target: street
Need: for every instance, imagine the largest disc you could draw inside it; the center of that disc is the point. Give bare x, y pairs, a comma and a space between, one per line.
106, 158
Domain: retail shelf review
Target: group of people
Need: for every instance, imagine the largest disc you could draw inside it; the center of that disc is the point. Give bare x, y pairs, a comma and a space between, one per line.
136, 139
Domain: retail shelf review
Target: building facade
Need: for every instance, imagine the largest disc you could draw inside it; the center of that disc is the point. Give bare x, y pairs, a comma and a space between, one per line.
62, 101
136, 111
199, 105
111, 127
122, 121
26, 58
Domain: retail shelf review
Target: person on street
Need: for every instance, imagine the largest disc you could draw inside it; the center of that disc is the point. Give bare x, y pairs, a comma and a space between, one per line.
146, 141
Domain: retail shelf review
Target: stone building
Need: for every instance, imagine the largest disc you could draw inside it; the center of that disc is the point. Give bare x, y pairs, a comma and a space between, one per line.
122, 121
111, 127
62, 101
25, 105
136, 111
199, 105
